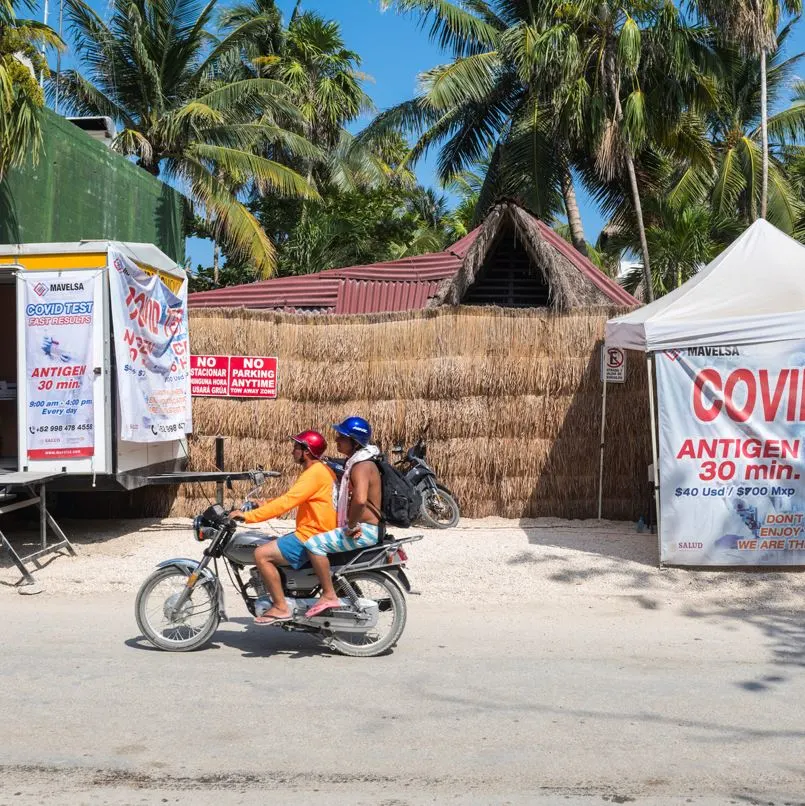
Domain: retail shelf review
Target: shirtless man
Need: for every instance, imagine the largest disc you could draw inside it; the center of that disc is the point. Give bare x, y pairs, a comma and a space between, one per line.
358, 508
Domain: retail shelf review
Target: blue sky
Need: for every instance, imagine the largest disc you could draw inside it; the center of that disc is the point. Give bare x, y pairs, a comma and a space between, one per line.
394, 50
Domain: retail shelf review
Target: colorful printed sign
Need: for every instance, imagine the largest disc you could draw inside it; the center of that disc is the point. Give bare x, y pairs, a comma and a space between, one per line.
242, 376
732, 454
59, 320
152, 354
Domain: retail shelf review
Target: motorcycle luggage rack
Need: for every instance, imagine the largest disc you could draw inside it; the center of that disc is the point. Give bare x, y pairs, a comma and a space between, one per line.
381, 550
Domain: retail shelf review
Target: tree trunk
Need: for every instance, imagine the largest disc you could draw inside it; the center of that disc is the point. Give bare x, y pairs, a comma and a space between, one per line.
764, 129
638, 207
573, 213
638, 211
216, 260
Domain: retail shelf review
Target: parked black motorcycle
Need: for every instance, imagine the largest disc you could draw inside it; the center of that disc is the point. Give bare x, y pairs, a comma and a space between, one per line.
180, 605
439, 506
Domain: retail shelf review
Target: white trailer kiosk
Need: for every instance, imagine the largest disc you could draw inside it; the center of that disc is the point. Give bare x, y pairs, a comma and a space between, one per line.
94, 369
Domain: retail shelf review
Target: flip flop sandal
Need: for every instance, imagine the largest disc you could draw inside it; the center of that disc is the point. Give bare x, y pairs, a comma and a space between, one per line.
268, 621
320, 608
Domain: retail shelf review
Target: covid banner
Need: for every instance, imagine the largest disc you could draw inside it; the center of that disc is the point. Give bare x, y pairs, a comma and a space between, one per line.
59, 326
732, 443
151, 352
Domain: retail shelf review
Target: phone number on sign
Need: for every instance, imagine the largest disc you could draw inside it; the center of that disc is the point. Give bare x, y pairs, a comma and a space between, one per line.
79, 427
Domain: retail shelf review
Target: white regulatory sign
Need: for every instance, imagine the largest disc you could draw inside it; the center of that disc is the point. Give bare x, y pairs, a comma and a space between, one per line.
613, 364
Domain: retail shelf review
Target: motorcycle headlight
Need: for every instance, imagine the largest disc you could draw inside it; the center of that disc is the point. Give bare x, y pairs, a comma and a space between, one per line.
197, 523
202, 530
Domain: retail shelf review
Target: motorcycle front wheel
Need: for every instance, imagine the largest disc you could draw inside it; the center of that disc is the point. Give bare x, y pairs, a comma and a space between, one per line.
439, 508
189, 628
390, 622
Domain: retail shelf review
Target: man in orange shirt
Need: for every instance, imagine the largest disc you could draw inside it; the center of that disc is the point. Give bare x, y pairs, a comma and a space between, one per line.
313, 496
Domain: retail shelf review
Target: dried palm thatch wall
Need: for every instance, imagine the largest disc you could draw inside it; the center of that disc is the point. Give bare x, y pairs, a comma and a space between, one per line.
512, 400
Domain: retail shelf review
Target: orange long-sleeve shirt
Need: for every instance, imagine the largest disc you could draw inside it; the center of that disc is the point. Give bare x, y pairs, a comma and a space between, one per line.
313, 496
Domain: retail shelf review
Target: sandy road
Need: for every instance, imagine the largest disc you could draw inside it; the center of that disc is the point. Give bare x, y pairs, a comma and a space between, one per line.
578, 675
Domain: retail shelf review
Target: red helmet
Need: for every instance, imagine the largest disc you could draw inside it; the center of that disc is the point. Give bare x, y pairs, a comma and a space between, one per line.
313, 441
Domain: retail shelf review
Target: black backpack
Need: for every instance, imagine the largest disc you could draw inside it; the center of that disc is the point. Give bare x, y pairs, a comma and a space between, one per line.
400, 500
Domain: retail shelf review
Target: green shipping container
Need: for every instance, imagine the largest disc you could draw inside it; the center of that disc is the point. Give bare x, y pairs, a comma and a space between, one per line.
81, 190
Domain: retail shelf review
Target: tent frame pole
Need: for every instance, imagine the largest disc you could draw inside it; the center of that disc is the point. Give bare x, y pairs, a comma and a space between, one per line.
655, 481
603, 438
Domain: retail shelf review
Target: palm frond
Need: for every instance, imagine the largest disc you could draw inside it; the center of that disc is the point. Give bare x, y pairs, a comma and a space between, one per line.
228, 219
453, 27
265, 173
470, 79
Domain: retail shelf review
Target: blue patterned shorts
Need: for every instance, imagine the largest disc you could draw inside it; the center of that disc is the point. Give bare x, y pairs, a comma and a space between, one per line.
336, 540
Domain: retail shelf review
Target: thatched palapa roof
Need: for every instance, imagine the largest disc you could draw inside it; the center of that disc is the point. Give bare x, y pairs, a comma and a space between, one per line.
434, 279
574, 281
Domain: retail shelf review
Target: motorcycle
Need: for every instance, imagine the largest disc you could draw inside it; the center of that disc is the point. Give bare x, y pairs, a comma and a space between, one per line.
181, 604
439, 506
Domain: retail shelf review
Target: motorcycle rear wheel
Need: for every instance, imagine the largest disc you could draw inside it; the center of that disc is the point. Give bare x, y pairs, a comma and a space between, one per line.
439, 508
387, 632
189, 629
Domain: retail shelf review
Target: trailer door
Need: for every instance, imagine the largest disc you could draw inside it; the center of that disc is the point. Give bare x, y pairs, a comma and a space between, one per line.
62, 371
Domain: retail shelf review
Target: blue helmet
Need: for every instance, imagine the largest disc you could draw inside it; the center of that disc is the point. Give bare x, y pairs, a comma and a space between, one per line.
356, 428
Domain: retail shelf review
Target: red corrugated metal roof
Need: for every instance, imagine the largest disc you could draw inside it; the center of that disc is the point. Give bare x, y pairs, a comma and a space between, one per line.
396, 285
309, 292
360, 296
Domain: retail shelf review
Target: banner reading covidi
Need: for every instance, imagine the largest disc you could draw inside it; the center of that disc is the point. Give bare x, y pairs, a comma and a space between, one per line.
732, 454
152, 353
59, 319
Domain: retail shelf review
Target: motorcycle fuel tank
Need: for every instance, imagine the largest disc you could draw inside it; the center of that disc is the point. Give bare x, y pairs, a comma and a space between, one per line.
242, 545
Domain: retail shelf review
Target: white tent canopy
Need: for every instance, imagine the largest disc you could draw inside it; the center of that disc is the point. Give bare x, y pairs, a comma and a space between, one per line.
754, 291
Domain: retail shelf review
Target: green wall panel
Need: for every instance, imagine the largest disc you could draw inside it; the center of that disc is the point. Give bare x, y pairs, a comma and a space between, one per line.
80, 190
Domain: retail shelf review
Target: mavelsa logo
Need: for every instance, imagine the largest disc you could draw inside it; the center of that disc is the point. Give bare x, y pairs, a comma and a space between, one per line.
66, 286
43, 289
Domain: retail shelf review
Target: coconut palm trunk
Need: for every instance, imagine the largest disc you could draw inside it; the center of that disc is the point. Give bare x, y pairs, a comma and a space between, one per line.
630, 169
638, 211
573, 213
764, 133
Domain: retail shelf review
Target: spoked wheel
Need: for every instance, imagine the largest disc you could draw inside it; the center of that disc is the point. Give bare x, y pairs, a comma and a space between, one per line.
390, 618
189, 628
439, 508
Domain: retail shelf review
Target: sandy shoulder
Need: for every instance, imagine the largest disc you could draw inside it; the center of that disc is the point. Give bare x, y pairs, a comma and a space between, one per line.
483, 560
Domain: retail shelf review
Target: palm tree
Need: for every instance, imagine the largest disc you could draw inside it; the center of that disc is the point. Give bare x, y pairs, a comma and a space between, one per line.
21, 98
752, 26
151, 69
544, 83
323, 77
733, 186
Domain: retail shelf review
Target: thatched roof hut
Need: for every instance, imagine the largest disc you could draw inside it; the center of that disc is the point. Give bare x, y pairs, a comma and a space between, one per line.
511, 260
544, 270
